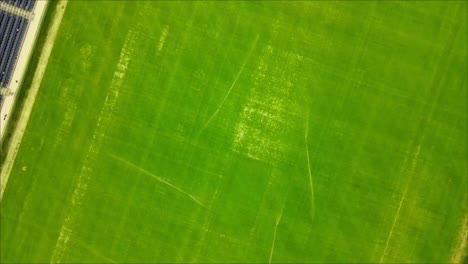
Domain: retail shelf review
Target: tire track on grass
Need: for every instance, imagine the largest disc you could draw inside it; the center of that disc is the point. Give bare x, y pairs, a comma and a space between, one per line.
156, 177
278, 220
411, 173
311, 182
233, 84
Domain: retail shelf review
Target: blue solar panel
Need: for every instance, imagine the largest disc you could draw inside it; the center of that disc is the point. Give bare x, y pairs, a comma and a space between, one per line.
12, 30
6, 38
23, 4
31, 4
14, 54
4, 22
3, 17
8, 53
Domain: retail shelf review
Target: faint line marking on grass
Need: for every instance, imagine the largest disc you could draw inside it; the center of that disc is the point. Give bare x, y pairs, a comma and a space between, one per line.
95, 252
306, 139
254, 44
430, 110
84, 176
205, 226
400, 205
130, 164
278, 219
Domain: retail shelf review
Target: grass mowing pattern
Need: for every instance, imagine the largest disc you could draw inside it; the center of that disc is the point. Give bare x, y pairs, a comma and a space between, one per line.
224, 131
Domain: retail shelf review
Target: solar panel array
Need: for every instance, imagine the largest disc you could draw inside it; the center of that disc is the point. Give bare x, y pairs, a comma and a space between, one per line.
11, 31
23, 4
13, 24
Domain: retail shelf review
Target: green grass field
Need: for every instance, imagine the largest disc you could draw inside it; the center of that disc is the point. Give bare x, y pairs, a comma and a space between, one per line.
245, 132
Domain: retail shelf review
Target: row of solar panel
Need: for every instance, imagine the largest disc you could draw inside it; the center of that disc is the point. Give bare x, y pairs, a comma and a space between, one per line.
12, 29
23, 4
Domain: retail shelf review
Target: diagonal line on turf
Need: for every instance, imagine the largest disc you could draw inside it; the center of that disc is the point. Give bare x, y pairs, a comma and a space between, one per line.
278, 220
306, 139
254, 44
402, 200
130, 164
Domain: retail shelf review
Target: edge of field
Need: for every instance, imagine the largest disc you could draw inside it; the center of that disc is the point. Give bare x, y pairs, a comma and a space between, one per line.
27, 94
28, 78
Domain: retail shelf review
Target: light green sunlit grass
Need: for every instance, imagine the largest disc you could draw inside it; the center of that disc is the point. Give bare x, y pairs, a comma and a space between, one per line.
196, 150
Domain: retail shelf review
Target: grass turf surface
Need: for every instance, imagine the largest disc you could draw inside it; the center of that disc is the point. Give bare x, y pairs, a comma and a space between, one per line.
185, 131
